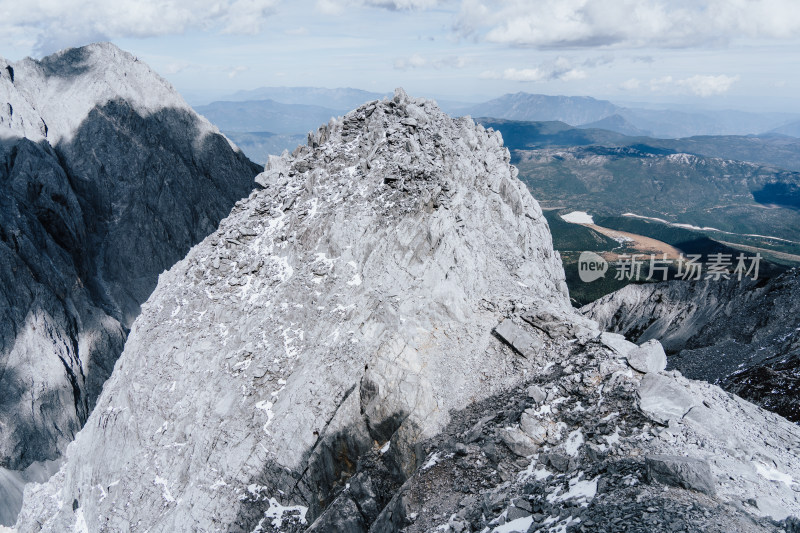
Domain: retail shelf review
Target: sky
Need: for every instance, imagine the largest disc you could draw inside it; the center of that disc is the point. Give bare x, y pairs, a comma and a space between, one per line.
736, 54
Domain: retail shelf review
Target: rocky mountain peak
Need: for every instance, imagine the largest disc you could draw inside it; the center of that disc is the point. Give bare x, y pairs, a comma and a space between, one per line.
351, 301
379, 339
51, 97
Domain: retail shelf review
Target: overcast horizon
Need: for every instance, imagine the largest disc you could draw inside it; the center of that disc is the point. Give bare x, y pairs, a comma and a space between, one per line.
708, 54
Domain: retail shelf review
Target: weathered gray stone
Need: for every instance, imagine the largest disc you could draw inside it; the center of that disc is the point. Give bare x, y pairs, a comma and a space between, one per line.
648, 357
741, 334
523, 342
280, 384
107, 178
686, 472
771, 507
533, 427
617, 342
536, 393
662, 398
518, 442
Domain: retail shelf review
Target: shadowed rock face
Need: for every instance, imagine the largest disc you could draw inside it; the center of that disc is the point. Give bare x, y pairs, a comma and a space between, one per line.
745, 336
89, 217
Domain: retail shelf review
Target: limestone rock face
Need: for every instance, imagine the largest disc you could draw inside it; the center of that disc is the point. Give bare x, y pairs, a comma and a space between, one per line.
349, 304
107, 178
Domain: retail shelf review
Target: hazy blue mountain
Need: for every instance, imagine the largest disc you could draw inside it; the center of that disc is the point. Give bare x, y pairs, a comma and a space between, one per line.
792, 129
342, 99
666, 123
266, 115
619, 124
675, 123
258, 145
771, 149
523, 106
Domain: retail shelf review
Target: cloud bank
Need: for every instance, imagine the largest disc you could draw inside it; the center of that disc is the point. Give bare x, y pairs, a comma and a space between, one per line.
65, 23
626, 23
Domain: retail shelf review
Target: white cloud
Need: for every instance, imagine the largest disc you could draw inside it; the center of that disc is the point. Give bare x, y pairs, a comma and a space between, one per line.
65, 23
627, 23
562, 69
338, 7
418, 61
234, 71
699, 85
631, 84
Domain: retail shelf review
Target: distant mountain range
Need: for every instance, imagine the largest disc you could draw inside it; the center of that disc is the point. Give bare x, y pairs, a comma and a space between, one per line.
343, 99
768, 149
792, 129
573, 110
266, 115
666, 123
279, 115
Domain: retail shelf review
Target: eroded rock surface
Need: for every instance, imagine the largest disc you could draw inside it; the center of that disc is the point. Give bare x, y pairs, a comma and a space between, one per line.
348, 304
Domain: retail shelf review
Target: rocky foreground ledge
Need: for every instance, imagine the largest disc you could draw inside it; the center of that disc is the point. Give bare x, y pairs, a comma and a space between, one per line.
381, 340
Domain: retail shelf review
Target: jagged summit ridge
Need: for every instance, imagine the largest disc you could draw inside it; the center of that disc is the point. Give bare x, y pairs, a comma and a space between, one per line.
350, 302
51, 97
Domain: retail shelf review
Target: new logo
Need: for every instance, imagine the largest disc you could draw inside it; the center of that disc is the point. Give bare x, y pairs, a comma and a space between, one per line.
591, 266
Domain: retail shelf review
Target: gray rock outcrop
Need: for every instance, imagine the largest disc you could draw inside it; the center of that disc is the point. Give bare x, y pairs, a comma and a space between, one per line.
686, 472
742, 335
107, 178
648, 357
350, 302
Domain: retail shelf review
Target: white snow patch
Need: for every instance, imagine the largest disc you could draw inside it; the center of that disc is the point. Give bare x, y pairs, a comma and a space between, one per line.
165, 493
80, 522
356, 280
583, 490
385, 447
276, 512
431, 462
612, 439
578, 217
573, 443
266, 406
285, 270
773, 474
515, 526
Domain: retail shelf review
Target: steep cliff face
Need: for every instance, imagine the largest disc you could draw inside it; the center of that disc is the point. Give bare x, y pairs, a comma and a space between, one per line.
380, 331
107, 178
744, 336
